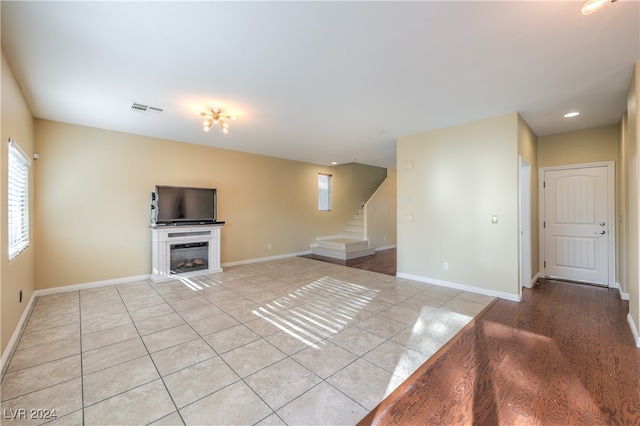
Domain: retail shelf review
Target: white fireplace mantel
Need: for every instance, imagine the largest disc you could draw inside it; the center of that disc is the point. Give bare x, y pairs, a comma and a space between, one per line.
163, 237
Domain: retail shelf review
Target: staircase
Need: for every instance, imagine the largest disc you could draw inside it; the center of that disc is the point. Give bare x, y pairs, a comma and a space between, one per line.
349, 244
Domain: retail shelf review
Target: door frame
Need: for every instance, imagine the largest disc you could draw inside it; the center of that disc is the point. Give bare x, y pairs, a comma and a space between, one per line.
611, 197
524, 220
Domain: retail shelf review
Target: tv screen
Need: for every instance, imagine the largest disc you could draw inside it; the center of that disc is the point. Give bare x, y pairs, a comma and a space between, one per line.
176, 204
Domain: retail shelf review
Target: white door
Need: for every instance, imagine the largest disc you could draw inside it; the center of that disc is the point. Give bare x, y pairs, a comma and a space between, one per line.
576, 224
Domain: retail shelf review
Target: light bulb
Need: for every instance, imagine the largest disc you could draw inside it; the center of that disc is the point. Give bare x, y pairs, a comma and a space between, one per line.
225, 131
592, 5
206, 128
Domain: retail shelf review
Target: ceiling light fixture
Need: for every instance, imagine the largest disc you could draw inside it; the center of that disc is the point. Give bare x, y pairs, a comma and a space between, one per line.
571, 114
215, 116
592, 5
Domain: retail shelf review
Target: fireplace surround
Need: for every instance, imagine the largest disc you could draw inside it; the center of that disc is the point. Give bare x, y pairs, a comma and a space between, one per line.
185, 251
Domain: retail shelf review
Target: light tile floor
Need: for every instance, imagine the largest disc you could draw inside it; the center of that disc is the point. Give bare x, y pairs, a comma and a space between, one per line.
292, 341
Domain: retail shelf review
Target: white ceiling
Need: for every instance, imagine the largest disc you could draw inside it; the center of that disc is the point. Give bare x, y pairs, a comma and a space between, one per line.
318, 81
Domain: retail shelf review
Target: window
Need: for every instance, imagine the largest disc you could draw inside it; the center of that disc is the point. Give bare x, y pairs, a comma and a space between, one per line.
18, 188
324, 192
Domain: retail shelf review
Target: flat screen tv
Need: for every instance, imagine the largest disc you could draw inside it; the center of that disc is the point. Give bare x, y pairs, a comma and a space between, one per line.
176, 205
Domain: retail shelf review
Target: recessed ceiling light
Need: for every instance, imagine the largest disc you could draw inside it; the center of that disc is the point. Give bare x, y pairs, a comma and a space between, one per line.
571, 114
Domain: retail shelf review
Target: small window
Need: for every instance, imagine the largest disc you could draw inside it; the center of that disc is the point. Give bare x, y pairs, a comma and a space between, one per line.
324, 192
18, 198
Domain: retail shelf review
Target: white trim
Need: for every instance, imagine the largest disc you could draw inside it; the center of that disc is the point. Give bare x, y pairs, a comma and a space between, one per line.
623, 295
524, 222
471, 289
634, 330
15, 337
385, 248
534, 280
265, 259
94, 284
15, 145
611, 219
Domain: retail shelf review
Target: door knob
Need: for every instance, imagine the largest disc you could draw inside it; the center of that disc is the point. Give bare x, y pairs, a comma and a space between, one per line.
601, 232
602, 224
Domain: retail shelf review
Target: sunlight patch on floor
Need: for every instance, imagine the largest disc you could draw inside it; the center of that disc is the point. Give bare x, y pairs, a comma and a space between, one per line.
318, 309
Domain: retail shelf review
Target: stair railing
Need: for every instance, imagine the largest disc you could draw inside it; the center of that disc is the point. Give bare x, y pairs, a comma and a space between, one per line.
374, 191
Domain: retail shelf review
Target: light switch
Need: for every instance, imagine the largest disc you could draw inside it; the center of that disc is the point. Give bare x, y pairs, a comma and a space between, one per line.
406, 200
494, 218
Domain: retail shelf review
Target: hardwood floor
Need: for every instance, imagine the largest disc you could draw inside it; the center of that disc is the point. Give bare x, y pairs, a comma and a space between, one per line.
383, 261
562, 356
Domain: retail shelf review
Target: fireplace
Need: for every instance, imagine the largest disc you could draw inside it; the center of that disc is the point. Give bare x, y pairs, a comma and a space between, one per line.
188, 257
185, 251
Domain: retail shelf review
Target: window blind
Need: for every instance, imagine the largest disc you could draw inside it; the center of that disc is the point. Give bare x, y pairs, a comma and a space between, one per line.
18, 200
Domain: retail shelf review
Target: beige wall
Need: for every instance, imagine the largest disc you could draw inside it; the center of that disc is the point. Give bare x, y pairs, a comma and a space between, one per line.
631, 142
17, 124
380, 213
93, 194
456, 179
528, 149
579, 147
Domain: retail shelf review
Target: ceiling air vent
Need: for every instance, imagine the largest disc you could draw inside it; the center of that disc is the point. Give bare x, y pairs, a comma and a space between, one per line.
139, 107
154, 110
146, 109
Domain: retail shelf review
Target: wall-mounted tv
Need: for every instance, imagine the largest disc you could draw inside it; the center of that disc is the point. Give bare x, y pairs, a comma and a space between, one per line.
175, 205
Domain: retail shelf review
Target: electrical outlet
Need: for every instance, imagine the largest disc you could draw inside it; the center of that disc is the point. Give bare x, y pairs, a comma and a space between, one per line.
445, 266
269, 246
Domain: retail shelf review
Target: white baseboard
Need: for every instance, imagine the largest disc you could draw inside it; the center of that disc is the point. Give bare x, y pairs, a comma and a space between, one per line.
634, 329
265, 259
84, 286
471, 289
623, 295
13, 342
385, 248
11, 346
534, 280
